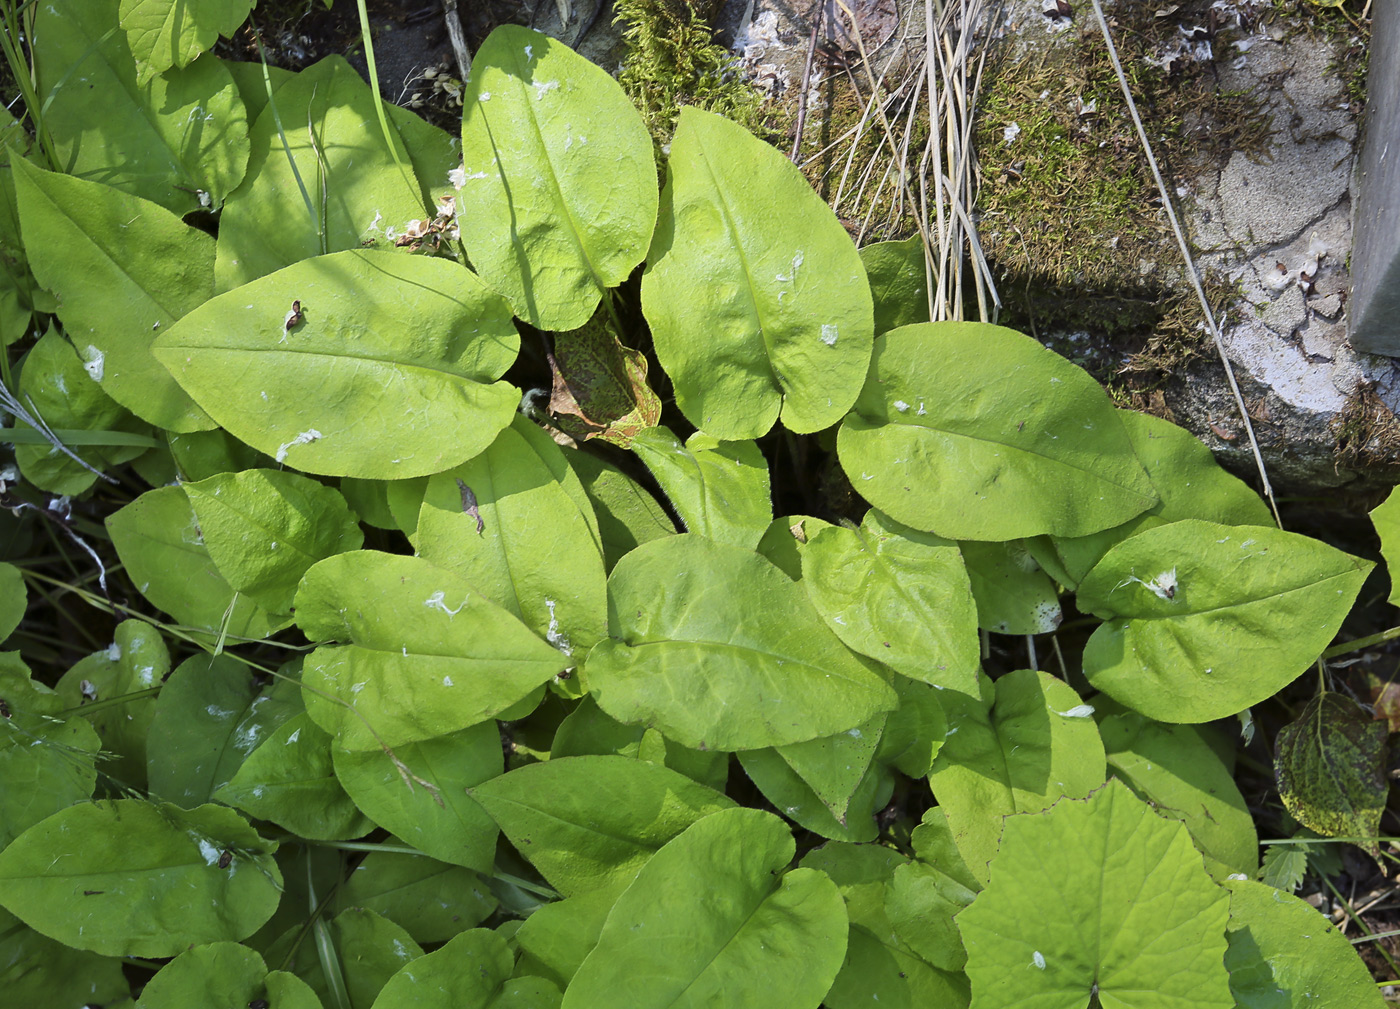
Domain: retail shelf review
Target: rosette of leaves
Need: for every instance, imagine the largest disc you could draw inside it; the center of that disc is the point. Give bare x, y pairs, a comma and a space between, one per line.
460, 717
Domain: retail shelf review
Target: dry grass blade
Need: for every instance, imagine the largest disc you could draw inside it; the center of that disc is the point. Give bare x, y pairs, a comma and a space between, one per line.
1191, 270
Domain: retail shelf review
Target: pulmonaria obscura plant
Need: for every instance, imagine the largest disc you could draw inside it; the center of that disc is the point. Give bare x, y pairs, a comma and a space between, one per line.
410, 706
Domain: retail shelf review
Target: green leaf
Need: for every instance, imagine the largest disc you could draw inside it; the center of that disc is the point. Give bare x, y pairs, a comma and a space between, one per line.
557, 938
56, 387
14, 599
1283, 954
122, 268
915, 731
167, 139
879, 968
220, 975
829, 785
424, 654
1331, 767
367, 948
40, 972
1099, 896
704, 910
388, 374
1024, 743
1386, 518
199, 455
1014, 596
925, 895
433, 901
46, 765
1175, 769
718, 649
782, 319
1188, 481
158, 540
589, 731
136, 661
290, 780
900, 596
170, 33
438, 817
551, 814
898, 282
209, 717
627, 513
515, 522
130, 878
558, 197
718, 489
1284, 866
473, 971
264, 528
976, 432
357, 192
1205, 620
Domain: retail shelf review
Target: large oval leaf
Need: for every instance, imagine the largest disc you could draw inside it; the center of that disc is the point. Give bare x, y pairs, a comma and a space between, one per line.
558, 192
976, 432
168, 139
1206, 619
755, 294
1024, 743
433, 901
1097, 897
551, 814
707, 908
718, 649
130, 878
424, 653
123, 268
387, 373
320, 177
899, 596
516, 523
430, 809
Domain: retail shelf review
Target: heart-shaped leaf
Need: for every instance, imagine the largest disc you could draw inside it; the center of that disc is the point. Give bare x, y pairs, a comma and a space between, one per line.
723, 882
782, 319
424, 652
718, 649
1206, 619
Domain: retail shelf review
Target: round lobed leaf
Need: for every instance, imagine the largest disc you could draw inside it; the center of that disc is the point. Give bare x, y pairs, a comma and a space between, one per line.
1098, 897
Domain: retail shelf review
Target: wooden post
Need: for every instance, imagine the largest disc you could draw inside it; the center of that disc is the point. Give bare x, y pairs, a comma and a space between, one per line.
1374, 307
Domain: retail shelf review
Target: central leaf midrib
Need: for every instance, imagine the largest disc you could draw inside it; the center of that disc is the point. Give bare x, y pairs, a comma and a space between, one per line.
803, 664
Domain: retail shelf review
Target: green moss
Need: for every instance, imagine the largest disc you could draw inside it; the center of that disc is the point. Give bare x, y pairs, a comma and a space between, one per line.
672, 60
